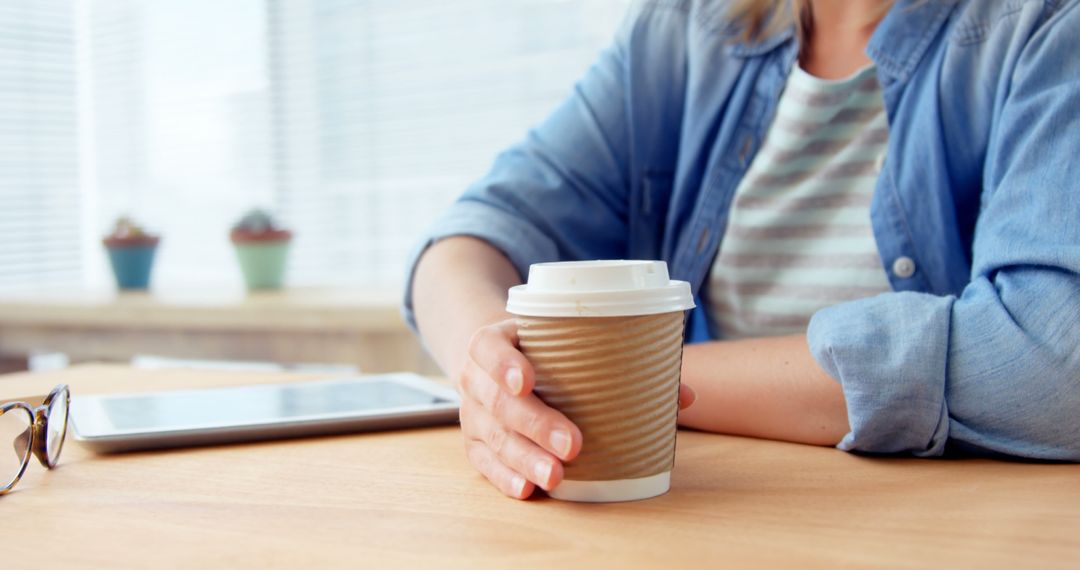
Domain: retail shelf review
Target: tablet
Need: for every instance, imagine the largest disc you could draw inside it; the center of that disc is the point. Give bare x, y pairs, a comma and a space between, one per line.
127, 422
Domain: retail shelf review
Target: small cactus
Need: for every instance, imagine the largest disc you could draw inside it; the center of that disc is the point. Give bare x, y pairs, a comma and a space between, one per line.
258, 225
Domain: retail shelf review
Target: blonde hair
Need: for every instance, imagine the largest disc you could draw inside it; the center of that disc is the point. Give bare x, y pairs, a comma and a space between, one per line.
763, 18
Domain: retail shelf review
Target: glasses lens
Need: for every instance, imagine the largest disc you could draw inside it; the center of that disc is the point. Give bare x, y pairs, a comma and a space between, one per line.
15, 426
54, 436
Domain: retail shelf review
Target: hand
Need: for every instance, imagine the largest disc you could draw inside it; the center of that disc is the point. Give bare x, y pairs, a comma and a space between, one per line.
515, 440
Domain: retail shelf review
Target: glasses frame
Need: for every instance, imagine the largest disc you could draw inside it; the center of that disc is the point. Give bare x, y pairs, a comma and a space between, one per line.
40, 416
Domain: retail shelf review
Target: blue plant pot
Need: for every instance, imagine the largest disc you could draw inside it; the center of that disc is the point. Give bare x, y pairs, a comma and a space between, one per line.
131, 264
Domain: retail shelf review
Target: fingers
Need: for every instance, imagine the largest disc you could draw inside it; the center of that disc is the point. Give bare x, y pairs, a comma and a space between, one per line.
687, 396
494, 349
513, 438
526, 415
511, 451
502, 477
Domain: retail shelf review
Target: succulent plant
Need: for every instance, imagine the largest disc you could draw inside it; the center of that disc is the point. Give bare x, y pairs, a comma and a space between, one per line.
125, 226
255, 221
258, 224
126, 231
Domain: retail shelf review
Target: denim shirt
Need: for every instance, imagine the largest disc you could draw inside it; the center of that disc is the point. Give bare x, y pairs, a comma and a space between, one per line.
976, 212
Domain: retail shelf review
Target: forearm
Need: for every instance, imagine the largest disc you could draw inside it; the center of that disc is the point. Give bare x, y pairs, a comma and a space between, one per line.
765, 387
460, 285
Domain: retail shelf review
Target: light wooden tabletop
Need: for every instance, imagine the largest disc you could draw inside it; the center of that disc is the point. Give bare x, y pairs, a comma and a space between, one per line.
408, 499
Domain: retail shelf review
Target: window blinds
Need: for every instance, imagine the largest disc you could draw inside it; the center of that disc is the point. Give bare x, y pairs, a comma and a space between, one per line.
40, 220
355, 120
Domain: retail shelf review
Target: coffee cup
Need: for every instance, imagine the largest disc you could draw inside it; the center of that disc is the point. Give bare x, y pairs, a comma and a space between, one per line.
605, 341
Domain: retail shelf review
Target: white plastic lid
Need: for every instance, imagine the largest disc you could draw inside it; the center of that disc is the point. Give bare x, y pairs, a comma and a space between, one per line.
607, 288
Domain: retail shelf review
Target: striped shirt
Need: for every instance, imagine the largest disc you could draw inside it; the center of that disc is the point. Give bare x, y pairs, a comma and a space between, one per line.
798, 237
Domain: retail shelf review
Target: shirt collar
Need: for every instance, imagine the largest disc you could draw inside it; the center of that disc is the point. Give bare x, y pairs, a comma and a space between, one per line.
897, 45
905, 34
751, 48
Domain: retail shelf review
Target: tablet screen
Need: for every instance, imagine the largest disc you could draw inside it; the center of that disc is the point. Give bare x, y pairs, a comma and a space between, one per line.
258, 404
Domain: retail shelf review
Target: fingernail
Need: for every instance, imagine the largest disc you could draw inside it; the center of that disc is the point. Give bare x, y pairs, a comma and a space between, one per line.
542, 472
514, 380
560, 442
691, 399
518, 485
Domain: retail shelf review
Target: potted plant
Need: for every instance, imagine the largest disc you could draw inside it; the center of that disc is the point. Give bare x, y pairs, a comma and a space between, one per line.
131, 253
261, 247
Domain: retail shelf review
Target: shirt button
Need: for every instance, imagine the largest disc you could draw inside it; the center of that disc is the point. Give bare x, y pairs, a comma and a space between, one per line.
744, 151
703, 241
879, 163
903, 267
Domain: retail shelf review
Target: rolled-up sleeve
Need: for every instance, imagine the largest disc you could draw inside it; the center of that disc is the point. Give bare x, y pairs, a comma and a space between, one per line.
561, 193
996, 368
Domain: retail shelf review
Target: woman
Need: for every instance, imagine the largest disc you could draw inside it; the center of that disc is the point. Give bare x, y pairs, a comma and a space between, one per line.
877, 205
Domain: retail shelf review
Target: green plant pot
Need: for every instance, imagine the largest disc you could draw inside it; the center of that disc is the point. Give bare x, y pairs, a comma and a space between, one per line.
262, 263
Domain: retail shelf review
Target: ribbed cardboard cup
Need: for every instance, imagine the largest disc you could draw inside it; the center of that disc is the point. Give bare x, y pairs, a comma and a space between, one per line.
605, 340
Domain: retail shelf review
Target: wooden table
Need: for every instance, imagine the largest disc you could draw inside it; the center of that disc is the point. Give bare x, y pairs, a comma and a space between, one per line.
362, 328
409, 499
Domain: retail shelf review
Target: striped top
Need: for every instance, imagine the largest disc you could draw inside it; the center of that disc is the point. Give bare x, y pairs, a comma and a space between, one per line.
798, 237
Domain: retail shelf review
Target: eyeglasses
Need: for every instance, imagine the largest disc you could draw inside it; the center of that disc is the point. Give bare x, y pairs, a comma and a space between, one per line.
27, 428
